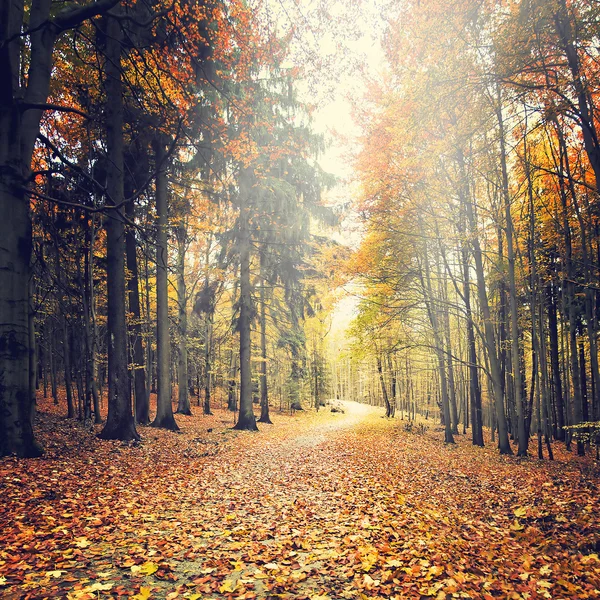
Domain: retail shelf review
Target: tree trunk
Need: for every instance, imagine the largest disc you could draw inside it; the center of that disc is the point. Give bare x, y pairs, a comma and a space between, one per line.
164, 407
490, 336
140, 394
264, 392
207, 363
231, 396
474, 385
554, 360
183, 400
386, 399
246, 418
439, 347
393, 386
522, 437
120, 424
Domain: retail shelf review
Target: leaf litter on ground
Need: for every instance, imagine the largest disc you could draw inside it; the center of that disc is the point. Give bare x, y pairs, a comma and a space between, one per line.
318, 505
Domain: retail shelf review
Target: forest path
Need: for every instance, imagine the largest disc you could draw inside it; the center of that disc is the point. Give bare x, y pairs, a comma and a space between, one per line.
323, 505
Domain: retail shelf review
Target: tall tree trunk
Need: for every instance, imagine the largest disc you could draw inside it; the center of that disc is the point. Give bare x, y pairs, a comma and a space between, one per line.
474, 385
164, 407
16, 405
246, 419
120, 424
207, 362
432, 311
386, 399
490, 336
231, 396
183, 401
583, 379
264, 392
443, 292
140, 394
86, 281
393, 386
555, 368
52, 361
522, 437
544, 384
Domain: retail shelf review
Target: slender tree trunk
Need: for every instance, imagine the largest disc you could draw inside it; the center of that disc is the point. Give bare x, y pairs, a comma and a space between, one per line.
544, 384
555, 368
142, 403
119, 423
443, 290
52, 360
231, 395
490, 336
522, 437
207, 362
388, 406
264, 392
393, 386
474, 385
183, 403
164, 407
583, 379
437, 334
246, 419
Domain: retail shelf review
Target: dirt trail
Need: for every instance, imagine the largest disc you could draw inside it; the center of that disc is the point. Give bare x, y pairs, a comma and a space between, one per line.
316, 506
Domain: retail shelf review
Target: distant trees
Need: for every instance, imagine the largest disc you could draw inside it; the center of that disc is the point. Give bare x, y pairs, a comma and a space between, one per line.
484, 165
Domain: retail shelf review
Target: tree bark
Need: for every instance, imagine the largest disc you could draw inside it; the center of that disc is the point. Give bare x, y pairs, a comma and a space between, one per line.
439, 345
246, 418
140, 394
183, 400
384, 392
164, 407
522, 436
120, 423
264, 391
490, 336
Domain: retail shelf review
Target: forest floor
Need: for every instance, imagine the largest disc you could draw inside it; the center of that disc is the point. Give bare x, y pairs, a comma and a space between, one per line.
318, 505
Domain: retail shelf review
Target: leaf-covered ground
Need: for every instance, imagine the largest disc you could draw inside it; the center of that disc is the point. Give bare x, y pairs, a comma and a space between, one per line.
316, 506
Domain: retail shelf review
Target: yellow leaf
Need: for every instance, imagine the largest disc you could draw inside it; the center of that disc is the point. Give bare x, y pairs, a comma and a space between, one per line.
83, 543
545, 570
100, 587
589, 558
55, 574
228, 586
259, 575
2, 580
143, 594
393, 563
148, 568
520, 511
272, 566
516, 526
